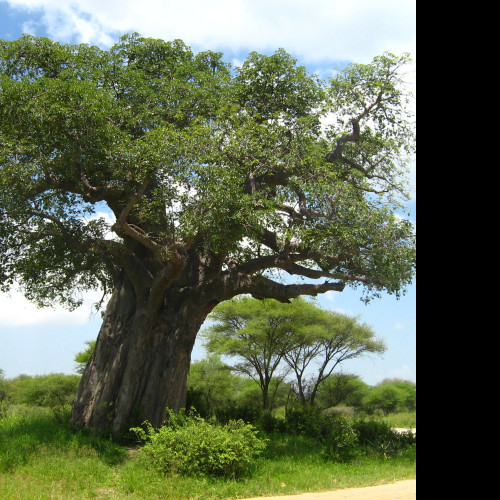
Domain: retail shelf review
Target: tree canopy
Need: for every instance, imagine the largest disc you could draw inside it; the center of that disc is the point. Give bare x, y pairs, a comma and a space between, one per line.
264, 166
175, 182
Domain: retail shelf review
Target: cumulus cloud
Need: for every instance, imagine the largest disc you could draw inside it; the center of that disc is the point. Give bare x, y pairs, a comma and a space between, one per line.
316, 30
16, 311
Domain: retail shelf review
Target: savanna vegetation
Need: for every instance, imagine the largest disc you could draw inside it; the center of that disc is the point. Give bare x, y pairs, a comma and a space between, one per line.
230, 448
260, 181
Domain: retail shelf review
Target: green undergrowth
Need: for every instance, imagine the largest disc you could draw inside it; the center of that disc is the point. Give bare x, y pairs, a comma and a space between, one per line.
42, 458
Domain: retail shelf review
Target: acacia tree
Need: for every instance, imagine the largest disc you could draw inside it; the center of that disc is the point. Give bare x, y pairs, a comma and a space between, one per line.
214, 177
257, 333
321, 343
267, 337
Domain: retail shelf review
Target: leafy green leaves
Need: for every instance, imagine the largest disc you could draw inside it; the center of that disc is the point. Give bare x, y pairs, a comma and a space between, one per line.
196, 447
181, 148
267, 337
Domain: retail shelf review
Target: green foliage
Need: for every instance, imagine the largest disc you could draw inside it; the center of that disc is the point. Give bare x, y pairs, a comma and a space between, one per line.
3, 387
82, 358
181, 148
342, 389
335, 432
372, 431
270, 339
193, 446
55, 392
4, 392
211, 385
342, 440
47, 391
248, 413
391, 397
380, 437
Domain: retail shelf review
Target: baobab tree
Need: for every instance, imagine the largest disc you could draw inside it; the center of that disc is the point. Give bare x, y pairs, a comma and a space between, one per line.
217, 179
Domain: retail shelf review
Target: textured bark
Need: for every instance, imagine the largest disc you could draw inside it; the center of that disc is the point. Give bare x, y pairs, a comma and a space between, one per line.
140, 364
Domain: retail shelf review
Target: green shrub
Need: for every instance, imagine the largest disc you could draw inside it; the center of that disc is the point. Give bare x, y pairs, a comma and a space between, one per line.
342, 439
271, 424
372, 431
379, 436
390, 396
309, 421
334, 431
232, 411
192, 446
55, 391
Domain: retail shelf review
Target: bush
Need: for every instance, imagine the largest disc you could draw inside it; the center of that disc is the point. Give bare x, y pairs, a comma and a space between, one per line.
381, 438
193, 446
3, 393
232, 411
309, 421
342, 439
55, 391
390, 396
372, 431
334, 431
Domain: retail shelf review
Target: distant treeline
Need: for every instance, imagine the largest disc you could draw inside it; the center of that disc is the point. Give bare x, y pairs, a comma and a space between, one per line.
213, 388
216, 391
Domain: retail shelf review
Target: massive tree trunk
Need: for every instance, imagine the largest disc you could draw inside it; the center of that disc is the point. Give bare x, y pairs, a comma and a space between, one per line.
141, 361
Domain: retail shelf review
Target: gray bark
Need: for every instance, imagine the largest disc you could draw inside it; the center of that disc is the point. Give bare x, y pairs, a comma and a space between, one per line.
140, 364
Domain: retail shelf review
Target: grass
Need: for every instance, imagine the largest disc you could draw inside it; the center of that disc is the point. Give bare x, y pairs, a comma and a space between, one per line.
406, 420
41, 458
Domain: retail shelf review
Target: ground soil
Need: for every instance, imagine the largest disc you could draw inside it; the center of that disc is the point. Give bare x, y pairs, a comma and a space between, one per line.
402, 490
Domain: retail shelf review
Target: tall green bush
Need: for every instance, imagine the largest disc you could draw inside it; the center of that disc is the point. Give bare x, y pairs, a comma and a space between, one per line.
4, 392
194, 446
380, 437
333, 431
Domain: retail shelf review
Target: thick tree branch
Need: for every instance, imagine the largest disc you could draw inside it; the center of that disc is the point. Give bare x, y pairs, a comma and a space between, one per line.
261, 287
355, 135
95, 194
123, 227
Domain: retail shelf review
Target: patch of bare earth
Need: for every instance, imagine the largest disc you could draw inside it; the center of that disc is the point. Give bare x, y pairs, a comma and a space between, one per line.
402, 490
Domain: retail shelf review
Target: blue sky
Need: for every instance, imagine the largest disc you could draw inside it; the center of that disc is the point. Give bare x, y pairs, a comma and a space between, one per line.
322, 34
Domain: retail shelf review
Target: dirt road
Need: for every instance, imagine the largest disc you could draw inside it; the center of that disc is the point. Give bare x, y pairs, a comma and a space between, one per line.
403, 490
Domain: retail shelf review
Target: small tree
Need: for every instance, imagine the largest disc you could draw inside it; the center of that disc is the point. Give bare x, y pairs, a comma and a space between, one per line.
211, 385
324, 342
257, 334
391, 396
408, 393
269, 338
341, 389
55, 390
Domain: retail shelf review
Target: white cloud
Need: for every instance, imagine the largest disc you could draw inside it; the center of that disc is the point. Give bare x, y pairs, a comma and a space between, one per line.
405, 372
316, 30
330, 296
16, 311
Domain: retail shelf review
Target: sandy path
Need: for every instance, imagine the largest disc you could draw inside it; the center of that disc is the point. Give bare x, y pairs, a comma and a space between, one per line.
403, 490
